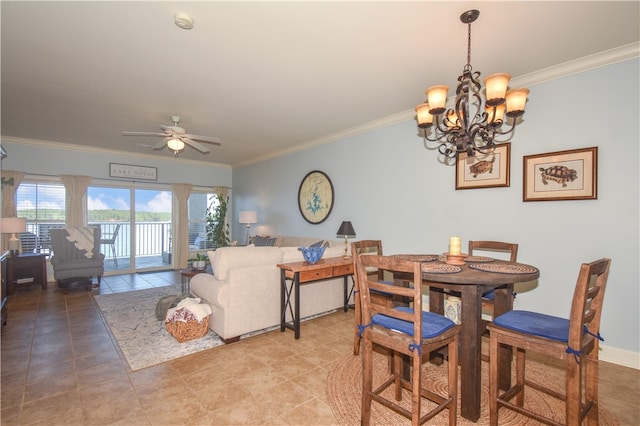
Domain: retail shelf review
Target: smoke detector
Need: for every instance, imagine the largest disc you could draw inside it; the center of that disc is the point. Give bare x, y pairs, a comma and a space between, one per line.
183, 21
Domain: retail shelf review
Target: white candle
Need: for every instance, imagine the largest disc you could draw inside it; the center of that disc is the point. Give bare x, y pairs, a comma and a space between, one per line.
454, 246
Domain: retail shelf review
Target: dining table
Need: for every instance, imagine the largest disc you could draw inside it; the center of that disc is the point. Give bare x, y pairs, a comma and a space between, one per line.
469, 279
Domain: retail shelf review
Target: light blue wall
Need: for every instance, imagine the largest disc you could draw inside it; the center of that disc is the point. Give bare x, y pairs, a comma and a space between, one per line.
393, 189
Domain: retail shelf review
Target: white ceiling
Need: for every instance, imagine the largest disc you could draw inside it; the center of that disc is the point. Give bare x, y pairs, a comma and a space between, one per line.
267, 77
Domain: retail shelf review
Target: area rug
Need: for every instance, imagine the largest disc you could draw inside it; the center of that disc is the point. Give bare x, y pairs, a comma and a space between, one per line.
143, 340
344, 395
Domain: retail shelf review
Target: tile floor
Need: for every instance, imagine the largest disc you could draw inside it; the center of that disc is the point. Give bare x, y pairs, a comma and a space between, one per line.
60, 367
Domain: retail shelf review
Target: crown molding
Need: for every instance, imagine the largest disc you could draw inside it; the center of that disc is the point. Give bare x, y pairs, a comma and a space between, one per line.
601, 59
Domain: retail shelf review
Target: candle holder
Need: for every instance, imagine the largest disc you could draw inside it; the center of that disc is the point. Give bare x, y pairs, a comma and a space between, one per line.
455, 259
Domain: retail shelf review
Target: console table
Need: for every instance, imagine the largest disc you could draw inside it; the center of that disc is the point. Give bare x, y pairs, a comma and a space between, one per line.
26, 268
295, 273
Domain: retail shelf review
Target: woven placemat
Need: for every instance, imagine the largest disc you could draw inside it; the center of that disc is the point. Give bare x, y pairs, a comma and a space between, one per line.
344, 395
504, 268
417, 257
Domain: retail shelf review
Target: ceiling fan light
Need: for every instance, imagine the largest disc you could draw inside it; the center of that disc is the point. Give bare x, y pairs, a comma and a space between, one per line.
175, 145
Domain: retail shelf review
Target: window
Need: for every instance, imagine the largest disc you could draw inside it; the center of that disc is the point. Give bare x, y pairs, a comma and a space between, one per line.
42, 203
198, 204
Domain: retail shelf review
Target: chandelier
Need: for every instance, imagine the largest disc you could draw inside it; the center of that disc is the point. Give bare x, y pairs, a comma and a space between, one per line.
471, 126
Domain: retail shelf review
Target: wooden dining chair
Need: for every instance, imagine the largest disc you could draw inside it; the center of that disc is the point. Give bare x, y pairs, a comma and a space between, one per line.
491, 248
404, 330
365, 247
574, 340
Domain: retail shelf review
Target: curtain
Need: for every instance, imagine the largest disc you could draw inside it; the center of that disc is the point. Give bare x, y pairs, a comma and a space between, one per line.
179, 224
76, 194
10, 182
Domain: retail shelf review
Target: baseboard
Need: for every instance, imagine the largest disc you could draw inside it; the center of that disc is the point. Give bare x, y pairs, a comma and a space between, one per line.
620, 356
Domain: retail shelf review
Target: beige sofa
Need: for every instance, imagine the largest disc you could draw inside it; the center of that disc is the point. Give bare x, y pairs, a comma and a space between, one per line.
244, 290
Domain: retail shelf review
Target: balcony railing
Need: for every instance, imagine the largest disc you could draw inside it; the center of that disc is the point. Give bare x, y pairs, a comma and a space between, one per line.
151, 238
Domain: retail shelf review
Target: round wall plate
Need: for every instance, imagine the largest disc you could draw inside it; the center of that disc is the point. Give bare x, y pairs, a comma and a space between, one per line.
315, 197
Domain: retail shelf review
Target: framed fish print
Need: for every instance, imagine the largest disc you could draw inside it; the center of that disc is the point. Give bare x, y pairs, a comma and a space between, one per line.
484, 170
561, 175
315, 197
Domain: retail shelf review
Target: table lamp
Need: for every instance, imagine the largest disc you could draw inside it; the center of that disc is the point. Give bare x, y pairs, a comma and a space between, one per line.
346, 230
13, 225
248, 217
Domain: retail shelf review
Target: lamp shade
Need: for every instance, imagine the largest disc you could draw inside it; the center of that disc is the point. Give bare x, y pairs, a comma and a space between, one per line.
12, 225
437, 99
248, 217
346, 230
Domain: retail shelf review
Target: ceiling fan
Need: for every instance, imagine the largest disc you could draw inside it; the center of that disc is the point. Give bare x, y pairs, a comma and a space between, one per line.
175, 138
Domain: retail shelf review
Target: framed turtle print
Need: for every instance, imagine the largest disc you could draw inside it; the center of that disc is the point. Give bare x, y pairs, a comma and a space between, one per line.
484, 170
561, 175
315, 197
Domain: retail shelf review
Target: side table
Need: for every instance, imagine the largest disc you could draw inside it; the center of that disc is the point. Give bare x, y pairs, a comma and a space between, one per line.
26, 268
304, 272
187, 274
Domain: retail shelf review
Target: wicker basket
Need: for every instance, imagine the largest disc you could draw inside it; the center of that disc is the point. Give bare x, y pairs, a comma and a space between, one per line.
185, 331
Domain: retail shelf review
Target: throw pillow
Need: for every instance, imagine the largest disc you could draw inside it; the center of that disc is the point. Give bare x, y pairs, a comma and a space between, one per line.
264, 241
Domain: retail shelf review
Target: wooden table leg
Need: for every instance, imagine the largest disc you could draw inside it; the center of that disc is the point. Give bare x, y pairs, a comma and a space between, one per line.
470, 346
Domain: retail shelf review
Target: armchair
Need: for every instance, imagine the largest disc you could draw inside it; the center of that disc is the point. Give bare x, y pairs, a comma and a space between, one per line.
76, 253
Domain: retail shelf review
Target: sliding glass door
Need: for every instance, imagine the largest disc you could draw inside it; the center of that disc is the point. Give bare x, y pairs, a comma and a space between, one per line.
136, 227
153, 229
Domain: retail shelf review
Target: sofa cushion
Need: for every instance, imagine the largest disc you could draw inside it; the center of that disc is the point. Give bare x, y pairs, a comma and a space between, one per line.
225, 258
264, 241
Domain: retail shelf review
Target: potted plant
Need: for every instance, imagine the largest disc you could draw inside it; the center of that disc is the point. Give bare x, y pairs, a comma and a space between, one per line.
217, 227
200, 261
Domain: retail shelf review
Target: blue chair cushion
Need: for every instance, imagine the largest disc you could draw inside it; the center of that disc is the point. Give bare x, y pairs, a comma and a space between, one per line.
536, 324
432, 324
490, 295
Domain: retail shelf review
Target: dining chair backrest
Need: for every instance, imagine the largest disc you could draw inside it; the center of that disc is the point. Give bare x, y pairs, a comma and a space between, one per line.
371, 305
510, 250
368, 247
586, 307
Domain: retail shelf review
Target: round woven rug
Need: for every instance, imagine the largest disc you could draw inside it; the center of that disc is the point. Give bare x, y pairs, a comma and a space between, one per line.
344, 395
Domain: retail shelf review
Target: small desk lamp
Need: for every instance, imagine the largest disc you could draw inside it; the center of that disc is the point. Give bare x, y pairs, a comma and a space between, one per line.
11, 225
248, 217
346, 230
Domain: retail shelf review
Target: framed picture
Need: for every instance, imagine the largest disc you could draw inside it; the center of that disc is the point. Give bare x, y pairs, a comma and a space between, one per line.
484, 170
315, 197
561, 175
132, 172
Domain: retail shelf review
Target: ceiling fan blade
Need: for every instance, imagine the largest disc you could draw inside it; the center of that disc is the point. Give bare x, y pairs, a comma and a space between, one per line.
143, 134
160, 144
207, 139
193, 144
